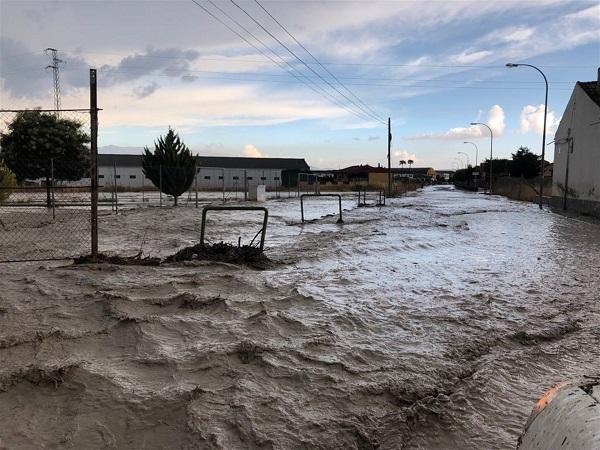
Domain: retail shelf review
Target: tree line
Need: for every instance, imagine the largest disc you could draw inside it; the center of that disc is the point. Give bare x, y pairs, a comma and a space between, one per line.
524, 163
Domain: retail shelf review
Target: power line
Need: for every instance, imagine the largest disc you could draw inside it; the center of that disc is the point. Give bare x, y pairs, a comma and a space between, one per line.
313, 86
321, 89
306, 65
317, 61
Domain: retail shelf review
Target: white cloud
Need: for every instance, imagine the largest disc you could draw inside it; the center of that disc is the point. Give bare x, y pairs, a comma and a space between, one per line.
251, 151
495, 122
516, 34
469, 57
404, 155
532, 119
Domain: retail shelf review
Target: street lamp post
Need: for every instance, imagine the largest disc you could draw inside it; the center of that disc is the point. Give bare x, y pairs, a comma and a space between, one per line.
476, 151
491, 148
544, 132
463, 153
476, 160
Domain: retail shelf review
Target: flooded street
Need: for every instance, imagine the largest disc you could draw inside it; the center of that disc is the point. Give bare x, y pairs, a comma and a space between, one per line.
432, 323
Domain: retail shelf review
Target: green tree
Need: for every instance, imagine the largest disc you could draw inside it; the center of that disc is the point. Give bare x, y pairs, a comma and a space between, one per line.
7, 182
525, 163
174, 161
36, 141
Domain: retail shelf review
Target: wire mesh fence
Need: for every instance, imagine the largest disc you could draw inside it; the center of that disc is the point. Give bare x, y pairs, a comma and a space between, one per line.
45, 185
130, 186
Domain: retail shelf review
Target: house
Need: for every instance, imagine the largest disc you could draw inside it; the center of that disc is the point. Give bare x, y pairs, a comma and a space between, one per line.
576, 170
212, 172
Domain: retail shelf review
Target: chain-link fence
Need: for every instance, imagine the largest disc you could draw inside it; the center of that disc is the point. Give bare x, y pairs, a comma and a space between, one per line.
127, 184
45, 184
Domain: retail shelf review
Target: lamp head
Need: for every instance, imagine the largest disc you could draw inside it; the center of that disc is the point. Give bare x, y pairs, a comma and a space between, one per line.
511, 65
474, 123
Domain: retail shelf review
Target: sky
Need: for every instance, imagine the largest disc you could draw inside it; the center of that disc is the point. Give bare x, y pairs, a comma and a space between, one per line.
307, 79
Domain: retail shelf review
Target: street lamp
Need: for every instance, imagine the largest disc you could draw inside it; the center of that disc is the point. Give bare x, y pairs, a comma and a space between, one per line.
463, 153
491, 148
476, 150
544, 133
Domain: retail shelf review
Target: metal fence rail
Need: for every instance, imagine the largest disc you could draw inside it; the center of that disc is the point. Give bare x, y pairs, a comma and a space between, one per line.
338, 196
262, 231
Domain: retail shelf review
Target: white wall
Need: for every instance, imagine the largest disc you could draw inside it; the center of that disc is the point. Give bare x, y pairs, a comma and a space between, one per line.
584, 161
207, 178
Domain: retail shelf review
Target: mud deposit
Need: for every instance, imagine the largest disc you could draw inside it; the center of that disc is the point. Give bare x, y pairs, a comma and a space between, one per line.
432, 323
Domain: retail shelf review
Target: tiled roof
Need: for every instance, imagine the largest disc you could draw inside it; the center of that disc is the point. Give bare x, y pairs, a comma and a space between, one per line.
591, 89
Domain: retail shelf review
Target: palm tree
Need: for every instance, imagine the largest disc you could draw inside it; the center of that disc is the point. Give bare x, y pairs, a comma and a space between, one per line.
402, 162
410, 163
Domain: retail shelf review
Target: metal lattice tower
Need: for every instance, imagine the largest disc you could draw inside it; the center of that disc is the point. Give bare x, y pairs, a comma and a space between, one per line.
55, 70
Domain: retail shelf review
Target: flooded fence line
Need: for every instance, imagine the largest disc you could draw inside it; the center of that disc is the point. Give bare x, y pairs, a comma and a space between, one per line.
49, 191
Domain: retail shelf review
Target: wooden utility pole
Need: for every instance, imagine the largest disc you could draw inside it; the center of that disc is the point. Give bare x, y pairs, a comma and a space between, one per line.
389, 157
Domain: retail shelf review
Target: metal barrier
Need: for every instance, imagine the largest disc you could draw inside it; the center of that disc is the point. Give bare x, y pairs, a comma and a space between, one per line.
363, 193
320, 195
263, 230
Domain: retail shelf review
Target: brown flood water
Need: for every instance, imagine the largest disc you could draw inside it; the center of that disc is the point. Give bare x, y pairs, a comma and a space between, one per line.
432, 323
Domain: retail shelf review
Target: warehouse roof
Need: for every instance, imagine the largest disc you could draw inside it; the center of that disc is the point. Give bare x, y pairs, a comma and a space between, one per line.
227, 162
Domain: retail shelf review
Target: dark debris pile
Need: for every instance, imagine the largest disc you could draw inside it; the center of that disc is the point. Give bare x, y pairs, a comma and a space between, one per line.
221, 252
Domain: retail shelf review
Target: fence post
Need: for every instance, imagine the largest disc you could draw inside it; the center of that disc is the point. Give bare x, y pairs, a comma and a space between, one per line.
160, 183
196, 184
223, 185
94, 160
52, 188
115, 183
245, 185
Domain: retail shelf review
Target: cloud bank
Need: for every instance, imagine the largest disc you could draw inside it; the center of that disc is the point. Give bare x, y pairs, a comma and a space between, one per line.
532, 120
495, 122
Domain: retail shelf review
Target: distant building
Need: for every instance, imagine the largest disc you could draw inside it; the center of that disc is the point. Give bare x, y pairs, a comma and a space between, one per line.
366, 175
576, 170
212, 172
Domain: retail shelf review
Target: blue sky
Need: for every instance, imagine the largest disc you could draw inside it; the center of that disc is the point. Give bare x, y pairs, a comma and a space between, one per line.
433, 67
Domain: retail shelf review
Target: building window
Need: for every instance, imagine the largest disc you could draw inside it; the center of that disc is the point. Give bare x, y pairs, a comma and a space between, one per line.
276, 178
207, 177
220, 177
197, 169
100, 176
236, 178
118, 176
263, 178
132, 177
248, 178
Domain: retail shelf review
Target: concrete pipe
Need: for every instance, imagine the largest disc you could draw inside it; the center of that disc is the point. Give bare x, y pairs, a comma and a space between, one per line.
566, 417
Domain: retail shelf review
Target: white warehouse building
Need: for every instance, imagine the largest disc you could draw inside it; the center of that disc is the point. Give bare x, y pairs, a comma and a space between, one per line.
576, 174
212, 172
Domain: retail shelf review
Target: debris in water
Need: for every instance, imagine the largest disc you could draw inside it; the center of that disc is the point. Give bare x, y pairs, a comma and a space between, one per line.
223, 252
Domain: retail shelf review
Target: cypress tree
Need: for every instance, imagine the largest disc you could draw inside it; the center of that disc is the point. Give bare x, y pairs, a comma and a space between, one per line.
176, 162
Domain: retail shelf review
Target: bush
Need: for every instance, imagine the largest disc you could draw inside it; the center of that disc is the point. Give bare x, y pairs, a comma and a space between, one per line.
8, 181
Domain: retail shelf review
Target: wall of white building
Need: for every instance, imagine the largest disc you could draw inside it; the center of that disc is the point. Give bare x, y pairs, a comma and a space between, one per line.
577, 145
207, 178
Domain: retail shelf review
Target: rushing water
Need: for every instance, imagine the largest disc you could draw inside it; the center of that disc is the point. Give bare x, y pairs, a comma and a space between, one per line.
432, 323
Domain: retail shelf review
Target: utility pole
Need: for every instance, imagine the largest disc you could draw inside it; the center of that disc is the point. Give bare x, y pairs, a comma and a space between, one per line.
389, 157
55, 69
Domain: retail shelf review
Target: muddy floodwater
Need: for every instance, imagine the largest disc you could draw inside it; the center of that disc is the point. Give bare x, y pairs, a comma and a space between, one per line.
432, 323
